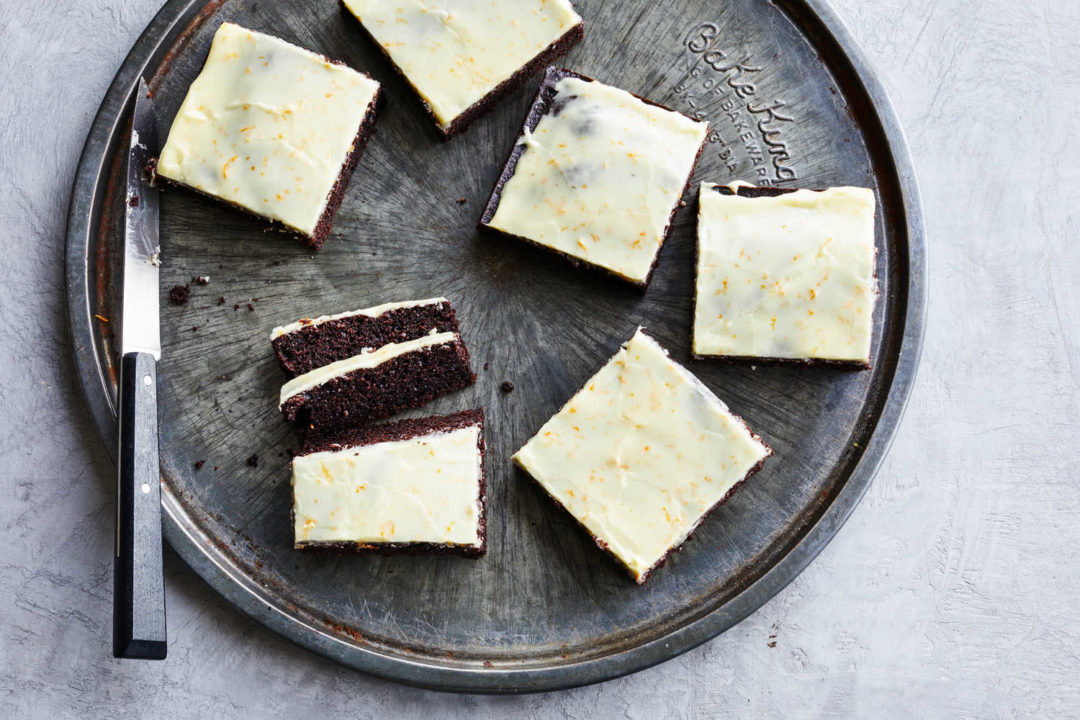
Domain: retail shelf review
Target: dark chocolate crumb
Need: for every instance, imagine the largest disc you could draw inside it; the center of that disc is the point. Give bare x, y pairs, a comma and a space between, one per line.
461, 201
194, 328
215, 467
202, 280
253, 461
507, 387
199, 464
251, 307
133, 201
485, 366
772, 643
179, 294
221, 300
235, 307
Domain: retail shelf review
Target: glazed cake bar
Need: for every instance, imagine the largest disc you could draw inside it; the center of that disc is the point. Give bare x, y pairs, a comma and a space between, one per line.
415, 486
596, 175
364, 365
641, 454
462, 56
272, 129
785, 275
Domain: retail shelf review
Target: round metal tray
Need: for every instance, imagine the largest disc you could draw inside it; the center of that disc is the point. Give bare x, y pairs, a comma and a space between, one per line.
790, 100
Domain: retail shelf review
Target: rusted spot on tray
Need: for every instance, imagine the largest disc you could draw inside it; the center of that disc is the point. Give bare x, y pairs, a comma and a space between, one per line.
340, 629
116, 182
181, 43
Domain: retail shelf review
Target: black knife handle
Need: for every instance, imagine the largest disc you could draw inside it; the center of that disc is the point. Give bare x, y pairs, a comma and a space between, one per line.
138, 589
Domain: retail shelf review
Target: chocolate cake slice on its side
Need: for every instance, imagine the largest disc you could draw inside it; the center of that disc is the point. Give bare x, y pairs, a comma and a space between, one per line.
785, 275
463, 58
641, 454
412, 487
365, 365
596, 175
272, 129
311, 343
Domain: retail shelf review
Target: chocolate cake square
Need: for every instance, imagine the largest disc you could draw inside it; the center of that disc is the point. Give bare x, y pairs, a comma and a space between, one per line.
641, 454
364, 365
462, 56
596, 175
272, 129
785, 275
414, 486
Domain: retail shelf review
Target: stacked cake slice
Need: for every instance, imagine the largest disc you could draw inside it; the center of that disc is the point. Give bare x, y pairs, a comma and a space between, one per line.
365, 365
410, 486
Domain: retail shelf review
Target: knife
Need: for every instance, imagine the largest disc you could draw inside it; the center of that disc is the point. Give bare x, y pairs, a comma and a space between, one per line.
138, 588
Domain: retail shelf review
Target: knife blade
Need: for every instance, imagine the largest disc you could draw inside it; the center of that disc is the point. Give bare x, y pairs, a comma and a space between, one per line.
138, 587
140, 325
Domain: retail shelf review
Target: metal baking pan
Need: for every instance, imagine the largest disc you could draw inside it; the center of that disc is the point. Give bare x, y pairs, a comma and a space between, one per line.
791, 101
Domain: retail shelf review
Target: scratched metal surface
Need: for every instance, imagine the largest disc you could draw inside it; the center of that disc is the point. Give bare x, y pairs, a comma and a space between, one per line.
790, 102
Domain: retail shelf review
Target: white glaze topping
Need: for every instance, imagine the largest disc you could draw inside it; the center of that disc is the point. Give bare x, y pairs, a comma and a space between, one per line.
364, 361
455, 52
371, 312
600, 176
790, 276
267, 126
641, 453
425, 489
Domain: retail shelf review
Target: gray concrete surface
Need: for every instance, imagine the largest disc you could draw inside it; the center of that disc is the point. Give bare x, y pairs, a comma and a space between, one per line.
953, 592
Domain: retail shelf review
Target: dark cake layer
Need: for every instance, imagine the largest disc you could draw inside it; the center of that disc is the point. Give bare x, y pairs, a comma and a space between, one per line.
405, 382
541, 106
397, 431
388, 432
314, 346
754, 191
